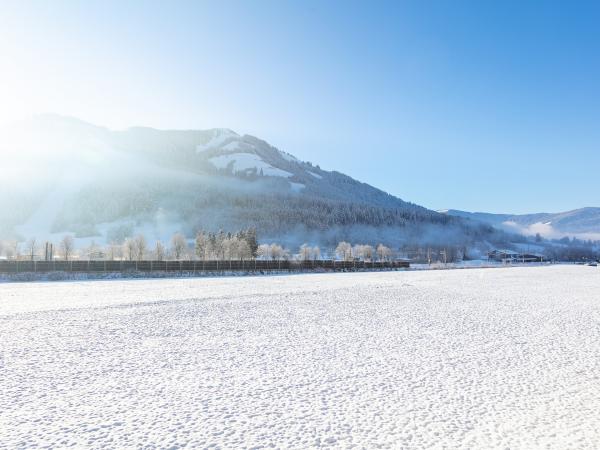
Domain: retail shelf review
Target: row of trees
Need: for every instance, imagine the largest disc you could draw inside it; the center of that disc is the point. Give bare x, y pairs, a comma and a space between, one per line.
242, 245
206, 246
345, 251
13, 249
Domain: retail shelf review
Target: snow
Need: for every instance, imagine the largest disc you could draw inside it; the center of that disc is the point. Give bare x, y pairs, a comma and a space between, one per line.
219, 136
473, 358
297, 187
235, 145
316, 175
246, 162
288, 157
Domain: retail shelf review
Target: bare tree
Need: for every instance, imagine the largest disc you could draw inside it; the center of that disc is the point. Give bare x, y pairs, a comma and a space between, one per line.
93, 251
32, 248
178, 245
129, 249
114, 251
159, 251
67, 246
140, 246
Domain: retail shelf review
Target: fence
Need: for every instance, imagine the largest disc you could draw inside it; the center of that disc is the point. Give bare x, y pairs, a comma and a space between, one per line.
192, 266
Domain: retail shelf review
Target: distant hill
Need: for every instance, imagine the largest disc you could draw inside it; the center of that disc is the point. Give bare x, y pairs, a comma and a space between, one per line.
583, 223
67, 176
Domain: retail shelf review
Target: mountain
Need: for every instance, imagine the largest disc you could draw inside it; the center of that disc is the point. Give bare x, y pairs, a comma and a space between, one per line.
582, 223
63, 175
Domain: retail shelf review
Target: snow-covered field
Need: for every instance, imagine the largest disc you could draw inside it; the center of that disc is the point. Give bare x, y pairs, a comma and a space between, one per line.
479, 358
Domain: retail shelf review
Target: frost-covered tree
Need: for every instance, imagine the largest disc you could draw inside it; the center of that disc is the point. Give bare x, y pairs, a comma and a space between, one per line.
305, 252
218, 246
159, 251
67, 246
363, 252
201, 245
178, 245
344, 251
264, 251
229, 245
244, 251
367, 252
277, 251
250, 237
140, 246
383, 253
129, 249
316, 252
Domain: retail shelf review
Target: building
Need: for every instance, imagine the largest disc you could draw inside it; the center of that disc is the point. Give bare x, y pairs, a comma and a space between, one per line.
510, 256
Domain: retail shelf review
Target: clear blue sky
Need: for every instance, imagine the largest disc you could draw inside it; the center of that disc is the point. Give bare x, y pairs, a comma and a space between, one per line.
475, 105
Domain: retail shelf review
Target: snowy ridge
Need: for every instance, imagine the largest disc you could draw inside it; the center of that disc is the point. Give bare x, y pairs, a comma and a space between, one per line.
247, 162
217, 138
582, 223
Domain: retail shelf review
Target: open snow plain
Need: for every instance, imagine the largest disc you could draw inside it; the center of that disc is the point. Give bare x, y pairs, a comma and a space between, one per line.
481, 358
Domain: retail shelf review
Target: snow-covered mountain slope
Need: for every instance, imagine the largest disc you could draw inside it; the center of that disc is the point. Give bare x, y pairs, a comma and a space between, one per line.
583, 223
67, 176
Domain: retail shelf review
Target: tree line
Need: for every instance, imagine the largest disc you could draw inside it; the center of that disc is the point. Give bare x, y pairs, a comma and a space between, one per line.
206, 246
243, 245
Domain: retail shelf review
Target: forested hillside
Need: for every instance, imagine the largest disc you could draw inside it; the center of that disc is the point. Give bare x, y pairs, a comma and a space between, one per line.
105, 186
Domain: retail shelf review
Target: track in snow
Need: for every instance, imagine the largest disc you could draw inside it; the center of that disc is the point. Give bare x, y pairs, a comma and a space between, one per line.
466, 358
